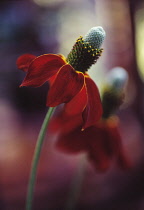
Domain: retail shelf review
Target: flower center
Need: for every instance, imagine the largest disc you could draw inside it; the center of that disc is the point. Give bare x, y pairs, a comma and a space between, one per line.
85, 52
83, 55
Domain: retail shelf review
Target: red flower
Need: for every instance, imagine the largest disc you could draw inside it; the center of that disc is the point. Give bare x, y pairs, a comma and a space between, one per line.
101, 142
67, 85
69, 82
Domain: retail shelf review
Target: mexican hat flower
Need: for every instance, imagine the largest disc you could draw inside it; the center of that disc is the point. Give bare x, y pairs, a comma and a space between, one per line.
68, 78
102, 142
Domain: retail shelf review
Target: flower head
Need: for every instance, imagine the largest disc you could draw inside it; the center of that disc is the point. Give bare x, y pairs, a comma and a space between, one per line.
87, 50
69, 82
101, 142
117, 78
113, 93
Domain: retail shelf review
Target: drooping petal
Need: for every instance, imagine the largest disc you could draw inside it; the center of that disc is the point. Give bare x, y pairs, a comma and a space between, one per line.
91, 140
93, 111
118, 149
72, 142
97, 148
99, 158
66, 85
78, 103
102, 126
41, 69
101, 142
64, 123
24, 61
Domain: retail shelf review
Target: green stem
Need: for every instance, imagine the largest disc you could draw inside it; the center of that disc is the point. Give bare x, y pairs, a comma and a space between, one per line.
36, 158
76, 184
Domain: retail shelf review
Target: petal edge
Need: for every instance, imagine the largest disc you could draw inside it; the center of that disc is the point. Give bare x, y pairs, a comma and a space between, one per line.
66, 85
41, 69
93, 111
24, 61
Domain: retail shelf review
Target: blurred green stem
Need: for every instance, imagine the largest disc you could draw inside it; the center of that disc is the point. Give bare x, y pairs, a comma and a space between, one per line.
76, 184
36, 158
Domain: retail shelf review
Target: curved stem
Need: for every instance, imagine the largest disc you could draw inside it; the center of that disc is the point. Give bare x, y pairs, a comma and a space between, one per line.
33, 173
76, 184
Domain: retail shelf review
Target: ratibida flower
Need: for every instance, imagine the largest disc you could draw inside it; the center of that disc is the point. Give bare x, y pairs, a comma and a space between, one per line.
69, 83
68, 78
102, 143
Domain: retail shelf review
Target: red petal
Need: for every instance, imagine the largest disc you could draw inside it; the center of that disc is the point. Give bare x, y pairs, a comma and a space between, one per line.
41, 69
97, 143
118, 149
93, 110
66, 85
24, 61
64, 123
78, 103
72, 142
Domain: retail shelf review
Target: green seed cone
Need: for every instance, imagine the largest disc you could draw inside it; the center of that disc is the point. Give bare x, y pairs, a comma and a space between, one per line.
85, 52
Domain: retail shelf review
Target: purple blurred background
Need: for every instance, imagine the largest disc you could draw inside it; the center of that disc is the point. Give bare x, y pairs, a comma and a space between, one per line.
52, 26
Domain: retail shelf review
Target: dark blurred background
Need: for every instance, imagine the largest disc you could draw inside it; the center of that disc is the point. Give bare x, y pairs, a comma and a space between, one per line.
52, 26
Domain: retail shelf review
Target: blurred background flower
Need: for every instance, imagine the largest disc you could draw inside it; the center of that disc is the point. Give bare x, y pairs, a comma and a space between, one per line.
52, 26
